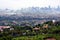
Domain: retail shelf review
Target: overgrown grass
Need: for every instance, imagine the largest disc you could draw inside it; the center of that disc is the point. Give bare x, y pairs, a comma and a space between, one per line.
37, 37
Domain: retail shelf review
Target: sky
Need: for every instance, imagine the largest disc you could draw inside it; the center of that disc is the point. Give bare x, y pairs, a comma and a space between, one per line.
17, 4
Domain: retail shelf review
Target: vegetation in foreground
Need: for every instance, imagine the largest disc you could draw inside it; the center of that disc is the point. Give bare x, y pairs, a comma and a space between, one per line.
37, 37
40, 32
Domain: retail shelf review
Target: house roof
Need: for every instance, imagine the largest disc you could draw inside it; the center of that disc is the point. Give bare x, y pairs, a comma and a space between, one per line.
49, 38
2, 27
37, 28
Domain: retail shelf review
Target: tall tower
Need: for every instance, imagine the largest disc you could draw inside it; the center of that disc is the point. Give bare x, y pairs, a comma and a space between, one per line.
49, 7
58, 7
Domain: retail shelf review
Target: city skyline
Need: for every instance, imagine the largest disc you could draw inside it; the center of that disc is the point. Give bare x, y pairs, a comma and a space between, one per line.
17, 4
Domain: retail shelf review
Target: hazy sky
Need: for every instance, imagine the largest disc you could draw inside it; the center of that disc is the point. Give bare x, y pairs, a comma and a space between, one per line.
16, 4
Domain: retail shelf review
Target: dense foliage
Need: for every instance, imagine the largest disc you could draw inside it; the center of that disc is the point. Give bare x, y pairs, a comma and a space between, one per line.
27, 32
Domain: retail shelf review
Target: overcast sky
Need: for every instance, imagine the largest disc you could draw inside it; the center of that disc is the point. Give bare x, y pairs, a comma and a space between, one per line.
16, 4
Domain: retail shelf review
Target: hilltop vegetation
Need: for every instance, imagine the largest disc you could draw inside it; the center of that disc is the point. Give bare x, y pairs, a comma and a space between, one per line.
38, 32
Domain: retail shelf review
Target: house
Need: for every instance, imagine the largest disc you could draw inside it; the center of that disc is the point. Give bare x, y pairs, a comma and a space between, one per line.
49, 38
3, 28
45, 26
53, 21
36, 29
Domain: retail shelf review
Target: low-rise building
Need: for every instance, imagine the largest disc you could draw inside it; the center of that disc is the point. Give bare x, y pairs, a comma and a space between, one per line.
45, 26
49, 38
2, 28
36, 29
